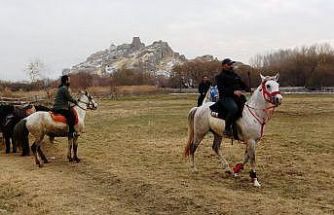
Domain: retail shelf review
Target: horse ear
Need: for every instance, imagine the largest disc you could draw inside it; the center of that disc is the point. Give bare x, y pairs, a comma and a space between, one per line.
276, 77
262, 77
82, 92
86, 93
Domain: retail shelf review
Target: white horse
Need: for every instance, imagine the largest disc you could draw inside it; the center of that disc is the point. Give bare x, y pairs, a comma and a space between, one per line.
40, 124
256, 113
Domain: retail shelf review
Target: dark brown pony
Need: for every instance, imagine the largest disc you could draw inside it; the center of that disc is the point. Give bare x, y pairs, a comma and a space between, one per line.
10, 115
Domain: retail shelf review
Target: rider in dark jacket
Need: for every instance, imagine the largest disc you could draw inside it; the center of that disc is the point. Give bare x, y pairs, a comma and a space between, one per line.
229, 86
62, 106
203, 88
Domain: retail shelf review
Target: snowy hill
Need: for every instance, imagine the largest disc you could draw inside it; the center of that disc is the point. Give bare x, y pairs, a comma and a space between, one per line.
158, 58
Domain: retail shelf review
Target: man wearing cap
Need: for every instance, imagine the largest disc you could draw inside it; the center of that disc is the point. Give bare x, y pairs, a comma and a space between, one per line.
229, 86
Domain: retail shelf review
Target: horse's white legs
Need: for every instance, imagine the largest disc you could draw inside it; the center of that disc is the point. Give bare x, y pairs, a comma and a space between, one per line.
38, 153
216, 148
193, 147
250, 155
72, 153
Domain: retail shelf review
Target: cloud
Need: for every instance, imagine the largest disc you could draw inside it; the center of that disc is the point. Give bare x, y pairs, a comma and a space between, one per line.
64, 33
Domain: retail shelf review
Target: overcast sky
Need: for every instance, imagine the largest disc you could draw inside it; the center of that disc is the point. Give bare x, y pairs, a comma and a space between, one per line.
63, 33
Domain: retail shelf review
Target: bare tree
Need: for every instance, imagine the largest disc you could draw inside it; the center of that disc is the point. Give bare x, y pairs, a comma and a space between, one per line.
34, 70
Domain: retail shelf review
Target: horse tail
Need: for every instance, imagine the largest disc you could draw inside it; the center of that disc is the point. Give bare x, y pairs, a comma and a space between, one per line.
190, 131
20, 136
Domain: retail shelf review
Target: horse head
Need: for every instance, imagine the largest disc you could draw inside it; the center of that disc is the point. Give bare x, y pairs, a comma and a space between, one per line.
270, 89
87, 99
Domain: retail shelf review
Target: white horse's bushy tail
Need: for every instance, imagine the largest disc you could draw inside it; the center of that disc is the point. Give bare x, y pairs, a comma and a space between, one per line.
190, 131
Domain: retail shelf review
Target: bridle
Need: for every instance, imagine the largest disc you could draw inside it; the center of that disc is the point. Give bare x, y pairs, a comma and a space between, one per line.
89, 104
269, 97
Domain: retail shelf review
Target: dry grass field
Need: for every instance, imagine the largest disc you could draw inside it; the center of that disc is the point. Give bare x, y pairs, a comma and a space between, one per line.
132, 164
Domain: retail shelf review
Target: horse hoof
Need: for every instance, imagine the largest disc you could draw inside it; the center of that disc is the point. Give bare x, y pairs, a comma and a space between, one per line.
256, 183
70, 159
77, 160
228, 172
235, 175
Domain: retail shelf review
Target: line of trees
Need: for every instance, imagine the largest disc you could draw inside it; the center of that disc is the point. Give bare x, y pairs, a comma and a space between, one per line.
190, 73
308, 66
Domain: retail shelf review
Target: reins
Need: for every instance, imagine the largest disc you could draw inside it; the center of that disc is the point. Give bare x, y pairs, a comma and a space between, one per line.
264, 120
265, 93
85, 109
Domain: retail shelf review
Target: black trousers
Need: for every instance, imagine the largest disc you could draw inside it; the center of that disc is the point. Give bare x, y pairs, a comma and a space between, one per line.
231, 106
70, 117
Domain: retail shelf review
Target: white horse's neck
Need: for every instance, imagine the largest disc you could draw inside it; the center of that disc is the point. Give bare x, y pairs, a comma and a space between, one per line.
257, 100
81, 109
257, 104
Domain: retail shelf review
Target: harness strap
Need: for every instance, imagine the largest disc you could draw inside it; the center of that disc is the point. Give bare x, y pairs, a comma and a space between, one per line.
264, 120
80, 106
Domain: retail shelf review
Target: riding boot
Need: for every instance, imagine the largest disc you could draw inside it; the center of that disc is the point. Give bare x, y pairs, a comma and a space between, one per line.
228, 132
228, 126
70, 135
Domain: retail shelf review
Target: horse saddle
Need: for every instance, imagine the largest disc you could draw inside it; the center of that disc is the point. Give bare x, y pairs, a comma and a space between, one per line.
218, 111
57, 117
219, 108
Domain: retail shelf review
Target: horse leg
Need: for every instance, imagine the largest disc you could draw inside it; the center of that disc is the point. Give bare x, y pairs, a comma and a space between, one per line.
38, 149
250, 156
193, 147
34, 151
14, 145
70, 146
51, 139
42, 155
7, 142
75, 150
217, 140
25, 150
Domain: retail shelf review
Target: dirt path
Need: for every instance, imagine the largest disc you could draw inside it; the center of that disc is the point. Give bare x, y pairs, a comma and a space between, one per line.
59, 187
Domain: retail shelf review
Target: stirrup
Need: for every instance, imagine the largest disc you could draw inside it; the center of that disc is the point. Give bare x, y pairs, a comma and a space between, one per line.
73, 134
76, 134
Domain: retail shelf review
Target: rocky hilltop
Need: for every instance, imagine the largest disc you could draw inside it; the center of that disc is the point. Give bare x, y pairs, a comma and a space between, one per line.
158, 58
